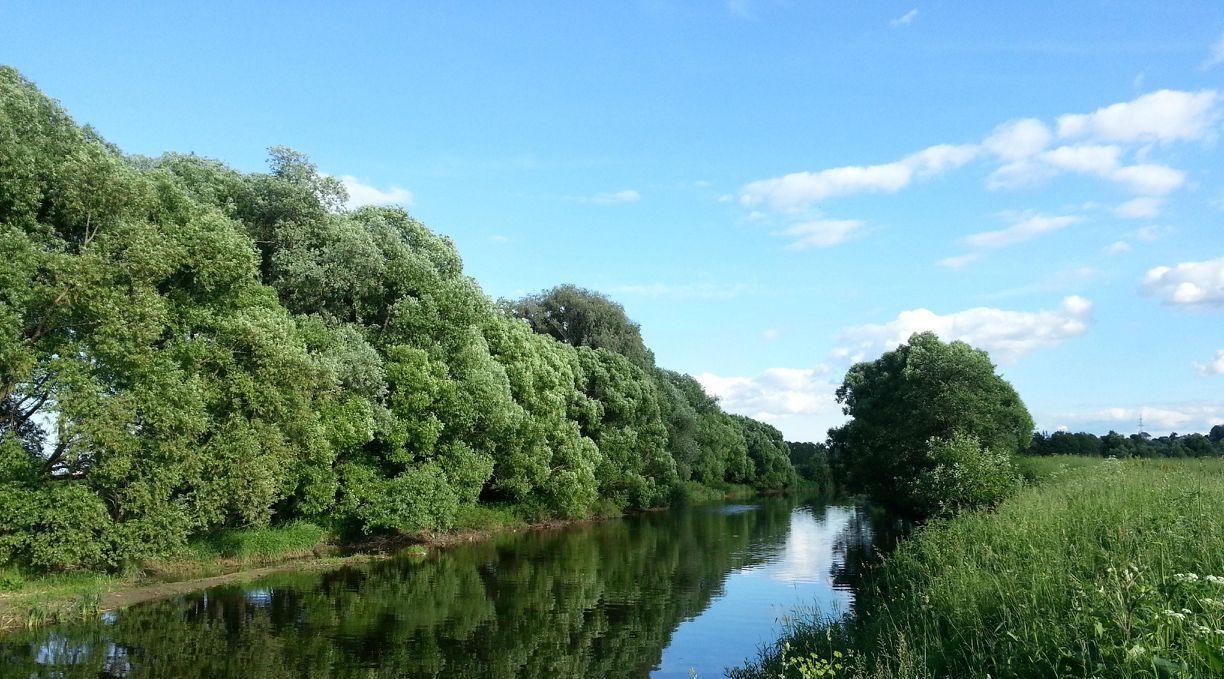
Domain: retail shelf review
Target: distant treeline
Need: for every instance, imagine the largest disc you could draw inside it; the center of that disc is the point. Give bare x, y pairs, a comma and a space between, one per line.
185, 347
1114, 444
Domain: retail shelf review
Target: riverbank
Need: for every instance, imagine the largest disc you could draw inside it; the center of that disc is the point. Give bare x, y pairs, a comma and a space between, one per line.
1103, 569
243, 555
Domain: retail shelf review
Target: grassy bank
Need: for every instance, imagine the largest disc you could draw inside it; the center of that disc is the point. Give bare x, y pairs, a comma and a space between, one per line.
1101, 569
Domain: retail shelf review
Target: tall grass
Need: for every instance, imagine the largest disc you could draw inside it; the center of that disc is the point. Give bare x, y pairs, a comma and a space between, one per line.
256, 544
1111, 570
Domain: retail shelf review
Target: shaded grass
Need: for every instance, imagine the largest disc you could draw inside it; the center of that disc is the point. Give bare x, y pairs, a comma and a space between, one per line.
1113, 569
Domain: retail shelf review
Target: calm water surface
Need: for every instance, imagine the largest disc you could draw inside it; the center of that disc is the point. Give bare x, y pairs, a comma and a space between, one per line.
692, 589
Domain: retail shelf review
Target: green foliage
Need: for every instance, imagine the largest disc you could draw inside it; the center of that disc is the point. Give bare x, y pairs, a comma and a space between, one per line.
258, 543
962, 474
584, 318
187, 349
811, 463
921, 390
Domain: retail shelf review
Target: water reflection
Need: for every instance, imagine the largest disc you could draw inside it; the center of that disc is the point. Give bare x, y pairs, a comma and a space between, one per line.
700, 587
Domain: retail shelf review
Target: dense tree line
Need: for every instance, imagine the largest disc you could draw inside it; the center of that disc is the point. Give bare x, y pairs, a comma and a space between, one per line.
185, 347
1114, 444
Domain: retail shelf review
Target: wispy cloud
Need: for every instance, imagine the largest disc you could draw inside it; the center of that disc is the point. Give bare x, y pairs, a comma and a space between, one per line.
959, 261
1026, 227
361, 193
613, 197
1140, 208
1184, 417
821, 233
1215, 55
905, 19
1095, 144
1214, 366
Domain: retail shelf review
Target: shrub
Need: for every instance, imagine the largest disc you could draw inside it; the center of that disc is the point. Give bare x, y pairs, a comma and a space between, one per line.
963, 474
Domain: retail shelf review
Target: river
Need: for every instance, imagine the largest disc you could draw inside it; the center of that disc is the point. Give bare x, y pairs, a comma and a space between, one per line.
681, 593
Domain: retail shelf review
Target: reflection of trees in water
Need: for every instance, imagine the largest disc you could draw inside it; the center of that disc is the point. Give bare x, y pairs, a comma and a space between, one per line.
870, 534
597, 601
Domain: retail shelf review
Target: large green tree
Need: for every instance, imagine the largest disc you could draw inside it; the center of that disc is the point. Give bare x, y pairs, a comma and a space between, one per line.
921, 391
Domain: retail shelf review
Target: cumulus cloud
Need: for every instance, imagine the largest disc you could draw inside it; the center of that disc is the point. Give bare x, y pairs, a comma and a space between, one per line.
362, 194
1140, 208
1026, 228
1214, 366
1007, 335
1117, 247
821, 233
905, 19
1161, 116
1191, 285
789, 398
614, 197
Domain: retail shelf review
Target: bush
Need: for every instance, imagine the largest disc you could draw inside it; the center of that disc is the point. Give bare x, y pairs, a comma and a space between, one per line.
963, 474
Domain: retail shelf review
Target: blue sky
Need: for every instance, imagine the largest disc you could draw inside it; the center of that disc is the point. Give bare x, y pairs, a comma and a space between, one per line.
772, 189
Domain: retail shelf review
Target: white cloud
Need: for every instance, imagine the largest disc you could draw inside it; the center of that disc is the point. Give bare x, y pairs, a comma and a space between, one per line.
771, 334
1148, 179
1193, 285
1007, 335
614, 197
1097, 160
1140, 208
1024, 229
800, 401
1104, 142
940, 158
905, 19
1084, 158
362, 194
1164, 116
1213, 366
1187, 417
800, 190
821, 233
1018, 139
1117, 247
498, 238
1215, 56
959, 261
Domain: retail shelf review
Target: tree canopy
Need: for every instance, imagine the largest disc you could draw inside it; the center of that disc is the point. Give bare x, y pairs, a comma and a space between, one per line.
924, 390
185, 347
